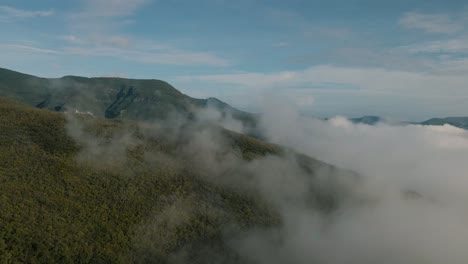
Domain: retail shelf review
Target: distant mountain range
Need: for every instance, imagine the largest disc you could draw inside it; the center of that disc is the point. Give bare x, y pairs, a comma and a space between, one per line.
368, 120
461, 122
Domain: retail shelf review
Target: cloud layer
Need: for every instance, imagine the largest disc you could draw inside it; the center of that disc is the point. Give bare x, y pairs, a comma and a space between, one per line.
413, 194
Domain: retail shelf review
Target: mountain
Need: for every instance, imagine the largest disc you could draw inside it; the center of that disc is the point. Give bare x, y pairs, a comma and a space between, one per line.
112, 98
368, 120
461, 122
81, 189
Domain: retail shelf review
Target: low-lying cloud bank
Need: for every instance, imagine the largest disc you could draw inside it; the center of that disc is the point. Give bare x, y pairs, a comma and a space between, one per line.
414, 192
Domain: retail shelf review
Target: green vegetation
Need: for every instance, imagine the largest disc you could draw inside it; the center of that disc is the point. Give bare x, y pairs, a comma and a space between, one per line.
56, 208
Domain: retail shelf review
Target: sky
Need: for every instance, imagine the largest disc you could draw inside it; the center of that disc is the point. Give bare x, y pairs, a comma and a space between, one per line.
405, 60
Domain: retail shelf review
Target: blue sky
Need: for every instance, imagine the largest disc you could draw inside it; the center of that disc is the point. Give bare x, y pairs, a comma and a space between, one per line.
399, 59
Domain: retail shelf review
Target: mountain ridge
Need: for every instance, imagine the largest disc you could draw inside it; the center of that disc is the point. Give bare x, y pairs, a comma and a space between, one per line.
109, 97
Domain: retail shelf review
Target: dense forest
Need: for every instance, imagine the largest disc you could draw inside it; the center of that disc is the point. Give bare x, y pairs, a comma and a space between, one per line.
79, 189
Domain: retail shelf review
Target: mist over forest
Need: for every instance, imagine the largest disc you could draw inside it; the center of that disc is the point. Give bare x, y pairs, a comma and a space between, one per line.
232, 132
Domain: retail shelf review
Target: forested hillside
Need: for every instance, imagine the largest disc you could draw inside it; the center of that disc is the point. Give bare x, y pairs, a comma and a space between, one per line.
79, 189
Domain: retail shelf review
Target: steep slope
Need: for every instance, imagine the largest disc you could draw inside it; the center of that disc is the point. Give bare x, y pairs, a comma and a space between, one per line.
78, 189
107, 97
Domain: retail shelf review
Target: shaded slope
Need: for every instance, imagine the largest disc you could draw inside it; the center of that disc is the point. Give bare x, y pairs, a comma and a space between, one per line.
107, 97
23, 88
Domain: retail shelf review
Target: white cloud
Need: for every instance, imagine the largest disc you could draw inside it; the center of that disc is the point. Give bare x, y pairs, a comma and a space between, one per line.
454, 45
103, 16
10, 13
118, 47
332, 78
431, 23
29, 49
170, 56
382, 223
99, 40
141, 50
97, 31
395, 94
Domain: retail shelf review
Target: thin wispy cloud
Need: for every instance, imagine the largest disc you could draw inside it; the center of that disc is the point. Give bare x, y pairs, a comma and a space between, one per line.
149, 53
8, 13
431, 23
99, 40
96, 30
26, 48
104, 15
170, 56
453, 45
328, 77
